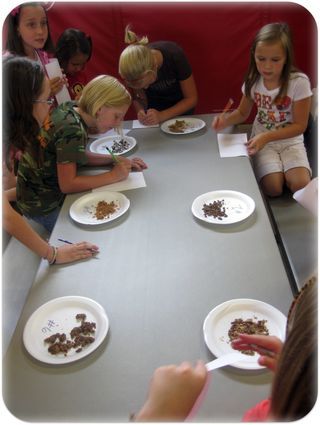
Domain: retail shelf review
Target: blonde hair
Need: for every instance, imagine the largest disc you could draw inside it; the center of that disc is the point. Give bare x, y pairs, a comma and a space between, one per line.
103, 90
136, 60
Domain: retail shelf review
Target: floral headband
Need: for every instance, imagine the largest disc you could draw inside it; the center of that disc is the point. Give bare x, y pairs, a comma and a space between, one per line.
46, 6
15, 11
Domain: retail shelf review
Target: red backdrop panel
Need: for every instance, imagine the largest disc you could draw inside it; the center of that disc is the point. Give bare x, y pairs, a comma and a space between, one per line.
215, 36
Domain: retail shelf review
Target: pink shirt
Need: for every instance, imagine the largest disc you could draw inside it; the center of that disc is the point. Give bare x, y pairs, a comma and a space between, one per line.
258, 413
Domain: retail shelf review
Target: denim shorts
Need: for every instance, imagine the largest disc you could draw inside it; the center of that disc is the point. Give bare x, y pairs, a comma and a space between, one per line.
48, 221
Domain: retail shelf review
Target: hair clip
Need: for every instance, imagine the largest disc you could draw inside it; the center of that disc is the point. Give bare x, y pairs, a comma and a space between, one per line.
15, 11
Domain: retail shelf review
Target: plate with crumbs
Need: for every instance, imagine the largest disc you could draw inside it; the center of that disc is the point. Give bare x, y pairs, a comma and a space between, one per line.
65, 329
223, 207
99, 207
182, 125
118, 145
218, 323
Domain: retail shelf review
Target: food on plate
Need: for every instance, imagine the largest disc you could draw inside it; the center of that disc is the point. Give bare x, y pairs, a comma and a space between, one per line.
179, 126
215, 209
120, 146
104, 209
80, 337
248, 326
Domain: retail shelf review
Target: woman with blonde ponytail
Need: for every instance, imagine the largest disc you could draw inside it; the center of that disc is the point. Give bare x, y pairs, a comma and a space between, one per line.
160, 76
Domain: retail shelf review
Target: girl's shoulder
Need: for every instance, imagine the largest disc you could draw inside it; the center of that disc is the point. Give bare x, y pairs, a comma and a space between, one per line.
65, 115
299, 80
299, 86
165, 46
298, 75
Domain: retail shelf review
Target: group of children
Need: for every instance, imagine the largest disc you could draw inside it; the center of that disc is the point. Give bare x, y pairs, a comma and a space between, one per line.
46, 144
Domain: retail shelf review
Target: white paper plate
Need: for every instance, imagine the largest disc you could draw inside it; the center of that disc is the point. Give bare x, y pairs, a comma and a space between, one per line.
194, 124
238, 206
218, 323
58, 316
100, 145
83, 209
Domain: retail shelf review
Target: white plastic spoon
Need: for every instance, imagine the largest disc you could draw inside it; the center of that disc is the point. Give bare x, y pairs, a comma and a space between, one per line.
226, 359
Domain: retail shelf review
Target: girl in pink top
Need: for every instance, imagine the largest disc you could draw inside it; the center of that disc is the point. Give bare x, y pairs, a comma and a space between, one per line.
175, 389
29, 35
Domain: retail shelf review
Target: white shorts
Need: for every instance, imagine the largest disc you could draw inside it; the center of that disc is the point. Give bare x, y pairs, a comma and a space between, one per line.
280, 157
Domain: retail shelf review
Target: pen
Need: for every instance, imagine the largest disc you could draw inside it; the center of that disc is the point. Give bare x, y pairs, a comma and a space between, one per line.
63, 240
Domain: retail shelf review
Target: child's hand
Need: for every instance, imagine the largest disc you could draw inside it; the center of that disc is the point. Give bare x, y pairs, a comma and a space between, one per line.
138, 164
153, 117
219, 123
173, 392
142, 117
56, 85
121, 169
255, 144
74, 252
64, 77
269, 348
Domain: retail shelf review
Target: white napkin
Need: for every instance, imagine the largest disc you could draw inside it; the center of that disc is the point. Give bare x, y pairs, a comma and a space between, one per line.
133, 181
137, 124
232, 144
308, 196
54, 70
112, 133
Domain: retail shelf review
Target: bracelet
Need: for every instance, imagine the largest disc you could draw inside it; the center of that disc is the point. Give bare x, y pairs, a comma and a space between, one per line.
54, 257
45, 257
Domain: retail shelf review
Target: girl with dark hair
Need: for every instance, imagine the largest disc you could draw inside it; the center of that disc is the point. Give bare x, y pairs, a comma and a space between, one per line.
29, 35
73, 51
25, 105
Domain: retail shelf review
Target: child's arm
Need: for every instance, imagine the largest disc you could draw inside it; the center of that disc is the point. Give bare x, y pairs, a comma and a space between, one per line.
18, 227
189, 101
96, 159
238, 116
300, 115
173, 392
70, 182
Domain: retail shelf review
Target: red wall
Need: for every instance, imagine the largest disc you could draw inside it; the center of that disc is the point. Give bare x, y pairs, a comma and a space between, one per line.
215, 36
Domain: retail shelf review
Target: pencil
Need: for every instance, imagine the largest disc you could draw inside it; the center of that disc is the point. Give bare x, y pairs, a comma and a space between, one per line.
115, 159
227, 107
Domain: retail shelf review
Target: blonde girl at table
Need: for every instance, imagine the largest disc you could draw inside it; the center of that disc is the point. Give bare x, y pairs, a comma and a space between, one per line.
63, 147
161, 78
282, 96
175, 389
25, 104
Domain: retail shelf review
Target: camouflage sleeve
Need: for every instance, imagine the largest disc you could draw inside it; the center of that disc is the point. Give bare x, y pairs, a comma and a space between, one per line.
70, 139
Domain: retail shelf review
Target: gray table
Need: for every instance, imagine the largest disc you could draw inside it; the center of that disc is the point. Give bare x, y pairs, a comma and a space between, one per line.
160, 271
